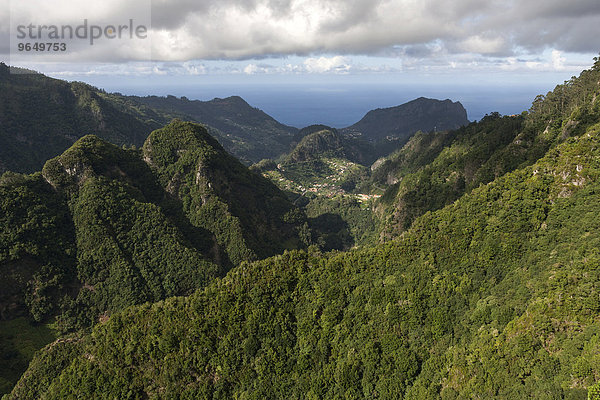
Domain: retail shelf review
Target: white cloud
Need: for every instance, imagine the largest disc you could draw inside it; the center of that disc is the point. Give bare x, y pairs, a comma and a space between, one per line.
156, 70
251, 69
194, 69
558, 61
337, 64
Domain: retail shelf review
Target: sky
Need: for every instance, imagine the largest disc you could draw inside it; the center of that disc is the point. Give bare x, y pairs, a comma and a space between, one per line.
317, 42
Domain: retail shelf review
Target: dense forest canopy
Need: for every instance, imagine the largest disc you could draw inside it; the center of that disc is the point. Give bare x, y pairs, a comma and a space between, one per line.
483, 281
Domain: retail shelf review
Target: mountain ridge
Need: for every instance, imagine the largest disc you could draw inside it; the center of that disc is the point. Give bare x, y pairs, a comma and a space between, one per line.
233, 120
493, 294
40, 117
101, 228
408, 315
400, 122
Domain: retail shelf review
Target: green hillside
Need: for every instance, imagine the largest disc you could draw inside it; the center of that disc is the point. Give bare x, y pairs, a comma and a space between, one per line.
399, 123
246, 212
494, 295
434, 169
244, 131
102, 228
321, 175
328, 142
41, 117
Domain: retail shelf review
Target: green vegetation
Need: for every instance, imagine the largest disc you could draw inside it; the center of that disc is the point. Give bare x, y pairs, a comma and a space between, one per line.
341, 222
495, 296
325, 176
398, 124
435, 169
103, 228
20, 339
490, 290
328, 143
37, 247
244, 131
246, 212
319, 176
41, 117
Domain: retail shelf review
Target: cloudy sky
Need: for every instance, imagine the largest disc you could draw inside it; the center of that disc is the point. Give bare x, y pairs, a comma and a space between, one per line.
295, 37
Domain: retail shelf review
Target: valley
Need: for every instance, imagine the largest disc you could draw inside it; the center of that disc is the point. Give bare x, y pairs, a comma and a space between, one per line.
169, 248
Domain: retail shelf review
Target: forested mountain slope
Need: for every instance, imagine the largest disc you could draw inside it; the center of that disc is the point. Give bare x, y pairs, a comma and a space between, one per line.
41, 117
435, 169
321, 175
246, 212
102, 228
496, 295
246, 132
328, 142
401, 122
